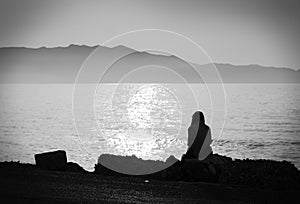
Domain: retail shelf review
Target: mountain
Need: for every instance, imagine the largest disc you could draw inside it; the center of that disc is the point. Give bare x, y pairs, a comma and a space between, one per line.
61, 64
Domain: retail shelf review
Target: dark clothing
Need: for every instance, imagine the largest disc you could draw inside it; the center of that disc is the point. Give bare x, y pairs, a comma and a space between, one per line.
194, 150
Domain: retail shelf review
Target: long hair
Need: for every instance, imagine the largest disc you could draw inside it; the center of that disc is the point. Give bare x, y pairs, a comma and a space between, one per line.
195, 142
198, 117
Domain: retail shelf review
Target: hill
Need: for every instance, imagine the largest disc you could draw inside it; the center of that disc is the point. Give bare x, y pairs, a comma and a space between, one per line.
61, 64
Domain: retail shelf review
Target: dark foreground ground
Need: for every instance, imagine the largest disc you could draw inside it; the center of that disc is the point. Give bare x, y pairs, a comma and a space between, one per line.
21, 183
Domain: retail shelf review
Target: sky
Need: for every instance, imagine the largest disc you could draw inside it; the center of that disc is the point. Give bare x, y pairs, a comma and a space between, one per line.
264, 32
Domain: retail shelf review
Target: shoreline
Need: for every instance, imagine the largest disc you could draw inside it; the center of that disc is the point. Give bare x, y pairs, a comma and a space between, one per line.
25, 183
220, 180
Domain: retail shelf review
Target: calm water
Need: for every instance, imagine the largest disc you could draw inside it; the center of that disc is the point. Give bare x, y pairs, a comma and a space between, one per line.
150, 121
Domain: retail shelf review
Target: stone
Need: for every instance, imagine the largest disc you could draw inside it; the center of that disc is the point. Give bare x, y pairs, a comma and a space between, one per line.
56, 160
74, 167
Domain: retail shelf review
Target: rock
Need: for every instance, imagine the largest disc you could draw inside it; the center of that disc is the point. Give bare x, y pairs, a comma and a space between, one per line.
56, 160
130, 165
218, 169
74, 167
174, 172
171, 160
195, 170
260, 173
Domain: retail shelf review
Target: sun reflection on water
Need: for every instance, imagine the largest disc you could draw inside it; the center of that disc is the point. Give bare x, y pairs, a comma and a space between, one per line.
141, 120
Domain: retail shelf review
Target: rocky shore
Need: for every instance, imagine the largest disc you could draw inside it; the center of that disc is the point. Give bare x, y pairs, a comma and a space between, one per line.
265, 174
221, 179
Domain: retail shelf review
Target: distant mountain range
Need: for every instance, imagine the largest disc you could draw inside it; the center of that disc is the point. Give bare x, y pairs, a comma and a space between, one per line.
61, 64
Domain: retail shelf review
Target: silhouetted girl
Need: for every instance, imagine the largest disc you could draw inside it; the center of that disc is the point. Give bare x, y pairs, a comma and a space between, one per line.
199, 138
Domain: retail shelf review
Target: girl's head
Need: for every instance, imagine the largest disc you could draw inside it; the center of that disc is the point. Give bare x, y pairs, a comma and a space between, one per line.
198, 117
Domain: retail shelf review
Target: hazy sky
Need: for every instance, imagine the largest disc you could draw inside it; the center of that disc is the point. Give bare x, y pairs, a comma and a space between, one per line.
264, 32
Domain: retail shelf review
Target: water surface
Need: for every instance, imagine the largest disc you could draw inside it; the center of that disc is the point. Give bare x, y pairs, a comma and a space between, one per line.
150, 121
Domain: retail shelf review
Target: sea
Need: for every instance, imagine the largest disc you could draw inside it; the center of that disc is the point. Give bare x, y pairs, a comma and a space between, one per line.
256, 121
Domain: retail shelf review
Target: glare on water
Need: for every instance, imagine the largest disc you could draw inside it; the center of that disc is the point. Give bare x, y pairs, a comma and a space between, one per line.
141, 124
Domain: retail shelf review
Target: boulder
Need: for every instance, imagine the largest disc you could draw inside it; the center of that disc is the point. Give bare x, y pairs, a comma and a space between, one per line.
56, 160
131, 165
